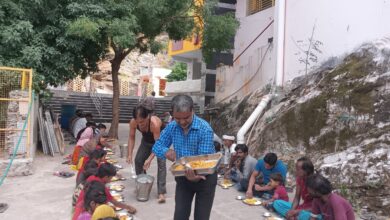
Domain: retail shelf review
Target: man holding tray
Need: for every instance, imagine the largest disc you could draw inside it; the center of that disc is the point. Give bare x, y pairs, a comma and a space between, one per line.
190, 136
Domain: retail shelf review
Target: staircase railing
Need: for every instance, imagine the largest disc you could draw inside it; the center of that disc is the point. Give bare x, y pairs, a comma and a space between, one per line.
96, 99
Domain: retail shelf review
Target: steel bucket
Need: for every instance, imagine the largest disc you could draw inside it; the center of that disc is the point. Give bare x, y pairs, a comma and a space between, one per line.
123, 150
144, 184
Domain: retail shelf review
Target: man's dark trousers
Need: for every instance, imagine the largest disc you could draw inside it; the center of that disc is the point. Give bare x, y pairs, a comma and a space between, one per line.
204, 192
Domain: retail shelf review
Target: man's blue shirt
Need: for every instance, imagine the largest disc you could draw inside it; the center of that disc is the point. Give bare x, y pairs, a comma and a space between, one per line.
198, 140
279, 167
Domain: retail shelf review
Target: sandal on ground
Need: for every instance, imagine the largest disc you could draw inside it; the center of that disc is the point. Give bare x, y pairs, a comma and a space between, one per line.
3, 207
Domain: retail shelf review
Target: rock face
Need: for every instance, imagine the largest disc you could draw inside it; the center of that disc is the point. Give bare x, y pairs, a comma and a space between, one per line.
340, 117
131, 65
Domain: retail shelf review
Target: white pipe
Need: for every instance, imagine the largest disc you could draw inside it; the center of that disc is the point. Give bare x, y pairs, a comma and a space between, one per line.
249, 122
280, 8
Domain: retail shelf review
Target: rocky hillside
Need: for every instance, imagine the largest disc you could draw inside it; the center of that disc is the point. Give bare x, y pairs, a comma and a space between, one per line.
339, 115
131, 65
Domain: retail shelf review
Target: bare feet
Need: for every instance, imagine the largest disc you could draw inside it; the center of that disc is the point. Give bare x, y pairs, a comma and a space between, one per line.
161, 198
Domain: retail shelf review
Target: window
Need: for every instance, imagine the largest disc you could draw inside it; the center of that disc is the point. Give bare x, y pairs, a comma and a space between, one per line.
177, 45
255, 6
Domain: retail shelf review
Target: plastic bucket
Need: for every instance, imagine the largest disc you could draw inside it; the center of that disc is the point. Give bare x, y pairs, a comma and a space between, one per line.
67, 112
144, 184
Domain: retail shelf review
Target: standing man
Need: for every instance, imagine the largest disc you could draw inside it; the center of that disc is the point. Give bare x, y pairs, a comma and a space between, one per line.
150, 126
190, 136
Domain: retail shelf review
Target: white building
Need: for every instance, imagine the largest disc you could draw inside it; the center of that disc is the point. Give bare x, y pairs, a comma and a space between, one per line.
272, 40
154, 78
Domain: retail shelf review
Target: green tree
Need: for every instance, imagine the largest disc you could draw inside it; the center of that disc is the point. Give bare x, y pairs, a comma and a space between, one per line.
62, 39
34, 35
179, 72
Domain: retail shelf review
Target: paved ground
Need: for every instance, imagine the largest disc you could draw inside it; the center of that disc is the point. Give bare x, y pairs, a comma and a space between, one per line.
43, 196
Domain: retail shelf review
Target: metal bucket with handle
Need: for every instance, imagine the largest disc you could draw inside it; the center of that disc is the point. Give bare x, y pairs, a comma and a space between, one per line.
144, 184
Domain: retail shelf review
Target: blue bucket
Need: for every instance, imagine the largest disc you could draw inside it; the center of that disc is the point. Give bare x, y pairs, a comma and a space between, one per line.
67, 112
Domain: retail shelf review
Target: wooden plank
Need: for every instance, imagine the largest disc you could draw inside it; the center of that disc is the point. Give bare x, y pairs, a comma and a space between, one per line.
59, 135
49, 140
51, 135
42, 131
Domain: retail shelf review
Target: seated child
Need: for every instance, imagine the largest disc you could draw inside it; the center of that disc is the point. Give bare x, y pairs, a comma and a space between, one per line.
280, 193
97, 155
95, 197
104, 175
90, 169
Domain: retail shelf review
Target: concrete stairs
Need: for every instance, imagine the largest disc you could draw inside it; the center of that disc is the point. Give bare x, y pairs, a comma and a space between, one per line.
84, 101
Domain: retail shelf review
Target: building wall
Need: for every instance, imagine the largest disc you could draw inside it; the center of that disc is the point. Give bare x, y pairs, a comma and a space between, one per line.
253, 68
340, 26
189, 45
188, 86
157, 75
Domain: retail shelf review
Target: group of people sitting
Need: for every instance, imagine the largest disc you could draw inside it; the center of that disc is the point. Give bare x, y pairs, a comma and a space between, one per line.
266, 178
91, 197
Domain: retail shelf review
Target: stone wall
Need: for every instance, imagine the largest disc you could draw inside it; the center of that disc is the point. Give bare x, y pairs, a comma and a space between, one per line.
20, 167
16, 117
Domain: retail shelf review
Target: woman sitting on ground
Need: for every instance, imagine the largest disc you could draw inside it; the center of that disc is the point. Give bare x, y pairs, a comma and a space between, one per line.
100, 129
95, 198
326, 204
303, 168
99, 143
90, 169
83, 137
98, 156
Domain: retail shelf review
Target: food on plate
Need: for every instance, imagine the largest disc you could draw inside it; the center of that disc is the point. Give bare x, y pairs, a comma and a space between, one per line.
117, 187
197, 164
124, 217
116, 178
112, 161
252, 201
226, 183
118, 197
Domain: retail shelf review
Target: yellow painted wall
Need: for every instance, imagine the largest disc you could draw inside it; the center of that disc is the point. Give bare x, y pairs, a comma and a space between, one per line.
188, 46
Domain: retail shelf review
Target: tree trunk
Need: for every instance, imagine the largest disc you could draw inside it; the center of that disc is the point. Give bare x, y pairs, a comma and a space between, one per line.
115, 65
